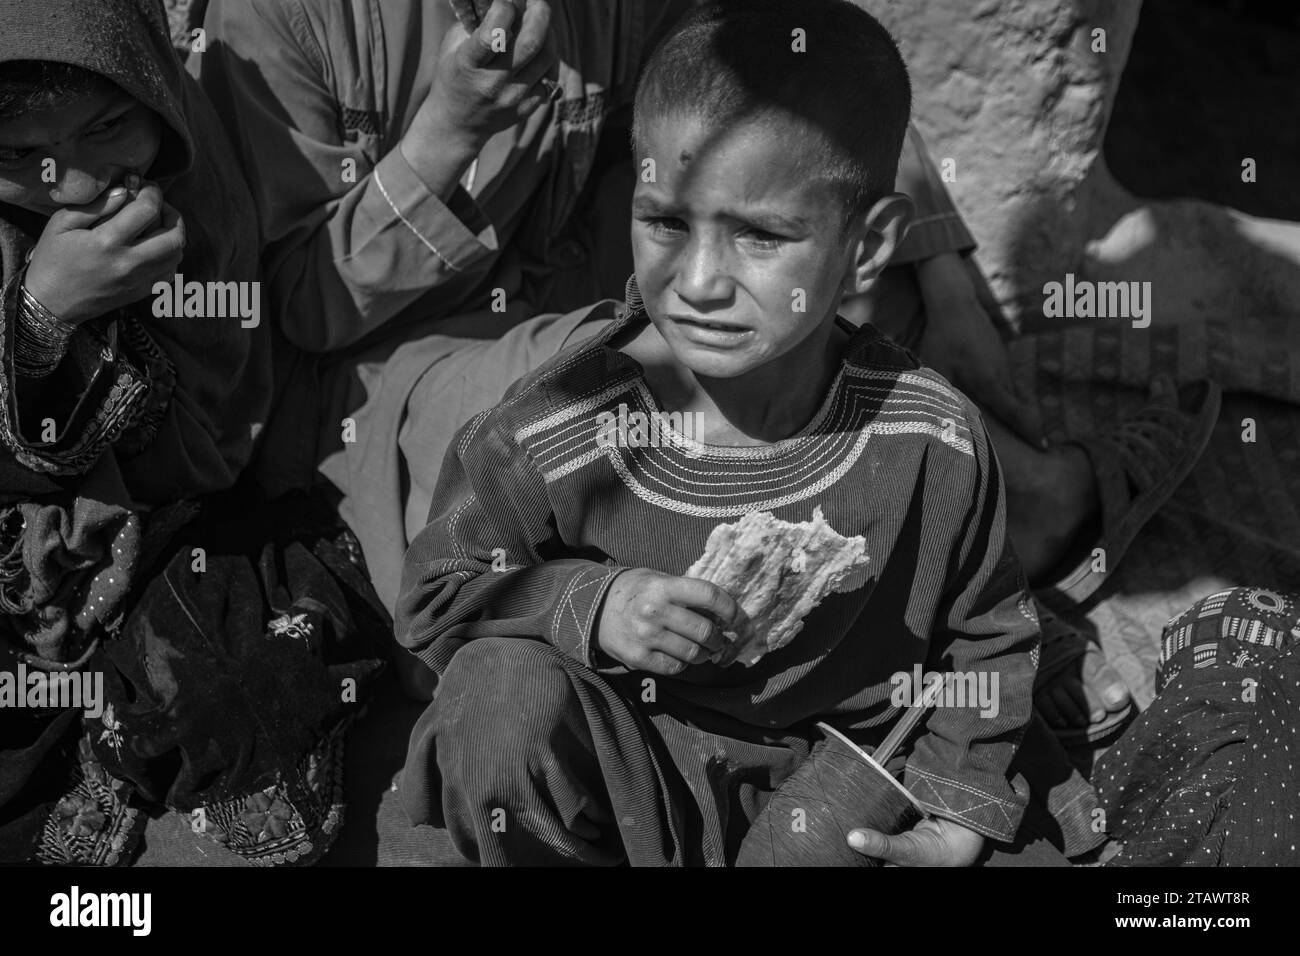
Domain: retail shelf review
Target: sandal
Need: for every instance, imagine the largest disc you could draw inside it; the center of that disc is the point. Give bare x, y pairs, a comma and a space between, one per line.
1064, 646
1138, 465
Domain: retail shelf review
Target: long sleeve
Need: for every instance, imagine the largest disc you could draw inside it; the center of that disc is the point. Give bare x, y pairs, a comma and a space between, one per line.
351, 239
938, 226
985, 641
95, 396
485, 565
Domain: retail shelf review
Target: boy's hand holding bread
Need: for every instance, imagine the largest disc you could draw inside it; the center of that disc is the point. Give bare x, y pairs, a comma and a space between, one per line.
662, 624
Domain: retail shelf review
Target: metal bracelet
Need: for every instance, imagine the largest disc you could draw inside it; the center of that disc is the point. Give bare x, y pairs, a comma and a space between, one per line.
40, 338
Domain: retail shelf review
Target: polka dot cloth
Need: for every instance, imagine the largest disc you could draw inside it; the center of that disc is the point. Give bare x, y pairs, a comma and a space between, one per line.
1208, 775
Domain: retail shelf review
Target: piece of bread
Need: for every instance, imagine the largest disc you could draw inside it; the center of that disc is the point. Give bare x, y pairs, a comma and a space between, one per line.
778, 572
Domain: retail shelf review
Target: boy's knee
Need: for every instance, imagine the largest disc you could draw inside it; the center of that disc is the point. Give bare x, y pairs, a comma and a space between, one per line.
500, 703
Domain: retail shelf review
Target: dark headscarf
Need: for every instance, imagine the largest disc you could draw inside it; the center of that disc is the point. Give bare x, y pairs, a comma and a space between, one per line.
169, 410
187, 395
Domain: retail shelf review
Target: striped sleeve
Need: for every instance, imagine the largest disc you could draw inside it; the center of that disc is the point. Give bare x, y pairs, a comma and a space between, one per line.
484, 565
985, 643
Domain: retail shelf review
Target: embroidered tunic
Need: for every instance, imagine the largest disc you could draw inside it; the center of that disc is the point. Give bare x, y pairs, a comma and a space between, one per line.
534, 517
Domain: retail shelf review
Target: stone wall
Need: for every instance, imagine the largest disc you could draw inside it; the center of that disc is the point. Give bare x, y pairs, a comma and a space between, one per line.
1014, 93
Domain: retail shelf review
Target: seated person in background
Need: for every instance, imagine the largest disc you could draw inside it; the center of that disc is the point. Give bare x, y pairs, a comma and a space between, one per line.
547, 589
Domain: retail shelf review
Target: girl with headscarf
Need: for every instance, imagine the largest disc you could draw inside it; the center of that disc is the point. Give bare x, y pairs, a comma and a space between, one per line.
119, 414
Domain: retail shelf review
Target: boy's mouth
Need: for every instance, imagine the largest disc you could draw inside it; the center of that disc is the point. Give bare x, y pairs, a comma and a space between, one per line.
701, 329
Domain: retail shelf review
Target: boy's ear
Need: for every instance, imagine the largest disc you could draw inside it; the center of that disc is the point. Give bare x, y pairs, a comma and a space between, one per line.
886, 226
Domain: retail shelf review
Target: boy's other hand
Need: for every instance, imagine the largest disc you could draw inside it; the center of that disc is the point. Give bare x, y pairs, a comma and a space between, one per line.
663, 624
479, 88
95, 258
932, 842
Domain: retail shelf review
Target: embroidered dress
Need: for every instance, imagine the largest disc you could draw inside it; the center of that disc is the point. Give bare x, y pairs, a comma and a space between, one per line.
534, 518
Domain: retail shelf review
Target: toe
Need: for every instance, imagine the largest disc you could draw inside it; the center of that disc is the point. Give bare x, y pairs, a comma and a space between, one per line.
1102, 685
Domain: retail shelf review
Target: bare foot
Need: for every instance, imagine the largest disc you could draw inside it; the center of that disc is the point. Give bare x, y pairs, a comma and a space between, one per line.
1084, 693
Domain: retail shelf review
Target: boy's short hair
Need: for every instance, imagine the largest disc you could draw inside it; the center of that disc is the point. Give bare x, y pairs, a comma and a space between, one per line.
29, 86
740, 60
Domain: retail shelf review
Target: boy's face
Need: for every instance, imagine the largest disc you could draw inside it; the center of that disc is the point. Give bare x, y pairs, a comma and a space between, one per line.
95, 141
740, 257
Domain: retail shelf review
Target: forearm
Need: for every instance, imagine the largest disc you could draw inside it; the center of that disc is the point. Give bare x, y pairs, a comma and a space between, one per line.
959, 768
946, 288
437, 151
62, 399
491, 563
359, 261
351, 238
937, 227
464, 599
984, 642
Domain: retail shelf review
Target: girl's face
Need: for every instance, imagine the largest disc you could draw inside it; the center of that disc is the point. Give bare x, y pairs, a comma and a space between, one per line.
68, 155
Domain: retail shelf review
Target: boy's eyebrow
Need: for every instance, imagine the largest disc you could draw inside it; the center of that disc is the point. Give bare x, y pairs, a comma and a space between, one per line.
765, 219
649, 207
771, 221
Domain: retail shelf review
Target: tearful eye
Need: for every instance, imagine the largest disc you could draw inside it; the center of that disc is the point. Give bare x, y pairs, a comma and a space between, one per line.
763, 238
665, 225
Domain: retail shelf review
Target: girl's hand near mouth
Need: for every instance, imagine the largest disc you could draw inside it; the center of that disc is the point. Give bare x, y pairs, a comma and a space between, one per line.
96, 258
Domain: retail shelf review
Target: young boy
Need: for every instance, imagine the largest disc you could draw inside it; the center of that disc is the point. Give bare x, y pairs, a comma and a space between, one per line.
578, 716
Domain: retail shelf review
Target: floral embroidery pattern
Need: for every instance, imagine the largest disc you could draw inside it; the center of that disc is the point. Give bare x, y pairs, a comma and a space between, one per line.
93, 823
293, 820
267, 817
293, 626
113, 732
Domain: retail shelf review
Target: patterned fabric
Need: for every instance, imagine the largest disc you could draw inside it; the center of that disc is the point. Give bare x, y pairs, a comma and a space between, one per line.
291, 821
150, 412
533, 519
93, 823
236, 674
1208, 775
1257, 620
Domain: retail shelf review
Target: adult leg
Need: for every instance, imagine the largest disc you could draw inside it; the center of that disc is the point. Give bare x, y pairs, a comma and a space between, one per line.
1065, 501
394, 412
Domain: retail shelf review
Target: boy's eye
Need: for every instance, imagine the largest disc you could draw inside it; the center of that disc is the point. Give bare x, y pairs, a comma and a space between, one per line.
666, 224
761, 237
11, 157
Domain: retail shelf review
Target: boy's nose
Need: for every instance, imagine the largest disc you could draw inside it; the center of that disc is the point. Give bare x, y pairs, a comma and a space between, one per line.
76, 187
703, 276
